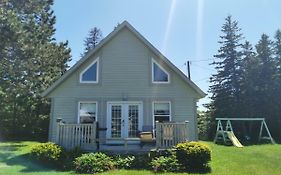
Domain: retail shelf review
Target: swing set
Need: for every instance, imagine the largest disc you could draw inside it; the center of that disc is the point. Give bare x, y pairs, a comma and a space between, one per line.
226, 134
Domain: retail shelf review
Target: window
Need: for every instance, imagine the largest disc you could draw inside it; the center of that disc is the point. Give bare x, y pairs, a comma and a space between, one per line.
159, 74
161, 111
87, 112
90, 74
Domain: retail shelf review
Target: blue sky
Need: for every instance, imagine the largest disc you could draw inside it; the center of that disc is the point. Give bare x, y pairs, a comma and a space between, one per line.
181, 29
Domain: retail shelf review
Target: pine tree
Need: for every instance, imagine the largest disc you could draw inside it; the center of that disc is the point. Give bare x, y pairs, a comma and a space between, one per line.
94, 37
277, 82
265, 75
249, 80
30, 60
226, 82
277, 50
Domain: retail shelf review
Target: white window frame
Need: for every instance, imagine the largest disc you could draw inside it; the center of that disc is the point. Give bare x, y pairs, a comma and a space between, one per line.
97, 73
163, 69
79, 104
153, 116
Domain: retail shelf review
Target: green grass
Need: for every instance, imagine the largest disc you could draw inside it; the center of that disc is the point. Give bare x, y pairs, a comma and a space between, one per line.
14, 160
258, 160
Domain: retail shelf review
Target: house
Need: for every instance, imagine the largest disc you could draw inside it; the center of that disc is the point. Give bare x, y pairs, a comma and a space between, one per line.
126, 85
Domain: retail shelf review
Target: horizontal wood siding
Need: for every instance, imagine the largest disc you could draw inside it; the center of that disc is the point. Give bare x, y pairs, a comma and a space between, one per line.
125, 72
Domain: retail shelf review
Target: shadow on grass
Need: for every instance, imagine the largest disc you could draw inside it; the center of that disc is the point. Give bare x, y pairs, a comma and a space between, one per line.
11, 147
25, 161
202, 170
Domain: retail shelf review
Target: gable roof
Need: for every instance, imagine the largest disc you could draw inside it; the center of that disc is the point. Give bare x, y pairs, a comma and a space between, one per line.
106, 40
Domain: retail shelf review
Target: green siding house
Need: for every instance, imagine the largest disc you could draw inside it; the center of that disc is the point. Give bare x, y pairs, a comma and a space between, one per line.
125, 85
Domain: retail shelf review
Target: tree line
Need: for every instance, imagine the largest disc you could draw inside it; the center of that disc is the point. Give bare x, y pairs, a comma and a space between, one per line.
247, 82
30, 61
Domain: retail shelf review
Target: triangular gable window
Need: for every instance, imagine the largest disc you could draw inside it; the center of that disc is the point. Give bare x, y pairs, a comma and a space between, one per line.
90, 74
160, 75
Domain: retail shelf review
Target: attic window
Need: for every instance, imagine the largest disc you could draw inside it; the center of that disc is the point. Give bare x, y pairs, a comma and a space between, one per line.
159, 74
90, 74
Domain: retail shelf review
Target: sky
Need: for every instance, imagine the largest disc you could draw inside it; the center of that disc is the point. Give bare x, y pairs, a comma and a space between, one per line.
183, 30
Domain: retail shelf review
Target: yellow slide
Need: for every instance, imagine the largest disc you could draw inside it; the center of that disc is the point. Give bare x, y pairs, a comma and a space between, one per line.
233, 139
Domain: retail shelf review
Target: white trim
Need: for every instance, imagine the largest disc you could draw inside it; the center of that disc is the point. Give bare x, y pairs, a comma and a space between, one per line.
153, 117
124, 108
163, 69
97, 72
79, 103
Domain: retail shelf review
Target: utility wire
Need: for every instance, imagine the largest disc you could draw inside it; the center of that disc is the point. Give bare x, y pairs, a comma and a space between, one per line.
202, 67
201, 60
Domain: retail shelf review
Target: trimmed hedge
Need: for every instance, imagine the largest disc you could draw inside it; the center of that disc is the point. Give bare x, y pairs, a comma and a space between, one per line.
124, 161
165, 164
93, 163
187, 156
47, 152
193, 156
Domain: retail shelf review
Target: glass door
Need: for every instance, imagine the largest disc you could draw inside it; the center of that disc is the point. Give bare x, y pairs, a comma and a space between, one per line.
116, 121
133, 120
125, 120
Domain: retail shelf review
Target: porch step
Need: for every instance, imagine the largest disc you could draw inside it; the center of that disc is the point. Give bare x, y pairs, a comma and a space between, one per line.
129, 148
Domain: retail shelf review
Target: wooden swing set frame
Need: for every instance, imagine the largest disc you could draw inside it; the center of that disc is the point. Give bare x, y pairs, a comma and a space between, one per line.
228, 127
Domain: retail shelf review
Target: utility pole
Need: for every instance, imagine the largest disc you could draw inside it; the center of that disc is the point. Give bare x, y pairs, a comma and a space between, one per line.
188, 68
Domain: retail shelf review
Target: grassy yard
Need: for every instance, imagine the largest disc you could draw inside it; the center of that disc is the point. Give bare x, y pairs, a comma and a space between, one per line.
260, 159
14, 160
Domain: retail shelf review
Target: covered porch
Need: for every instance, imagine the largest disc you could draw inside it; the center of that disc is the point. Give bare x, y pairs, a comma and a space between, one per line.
90, 137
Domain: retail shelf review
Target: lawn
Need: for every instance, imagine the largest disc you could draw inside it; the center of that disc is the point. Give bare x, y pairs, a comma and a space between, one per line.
14, 160
259, 159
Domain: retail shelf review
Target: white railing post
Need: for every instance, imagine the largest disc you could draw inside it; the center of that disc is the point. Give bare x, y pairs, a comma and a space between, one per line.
158, 135
59, 122
93, 134
186, 130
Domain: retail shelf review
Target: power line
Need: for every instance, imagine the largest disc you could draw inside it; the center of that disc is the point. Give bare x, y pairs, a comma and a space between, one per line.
202, 67
201, 60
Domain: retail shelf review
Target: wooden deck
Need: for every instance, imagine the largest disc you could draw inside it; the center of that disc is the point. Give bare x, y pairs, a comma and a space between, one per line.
167, 135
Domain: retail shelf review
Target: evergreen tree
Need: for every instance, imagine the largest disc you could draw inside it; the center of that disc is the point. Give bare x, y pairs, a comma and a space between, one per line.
94, 37
277, 51
248, 81
227, 81
265, 75
250, 65
30, 60
277, 82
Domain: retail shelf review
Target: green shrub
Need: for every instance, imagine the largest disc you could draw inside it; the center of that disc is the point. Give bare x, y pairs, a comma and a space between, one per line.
67, 158
47, 152
141, 161
193, 156
93, 163
165, 164
155, 153
124, 162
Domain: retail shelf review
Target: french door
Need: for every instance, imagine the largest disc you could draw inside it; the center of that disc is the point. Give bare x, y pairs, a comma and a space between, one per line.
124, 119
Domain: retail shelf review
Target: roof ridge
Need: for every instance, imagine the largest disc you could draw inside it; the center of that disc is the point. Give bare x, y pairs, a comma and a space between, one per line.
107, 39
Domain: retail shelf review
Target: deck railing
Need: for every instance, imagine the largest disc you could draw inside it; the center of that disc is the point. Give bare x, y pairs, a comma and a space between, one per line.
77, 135
169, 134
